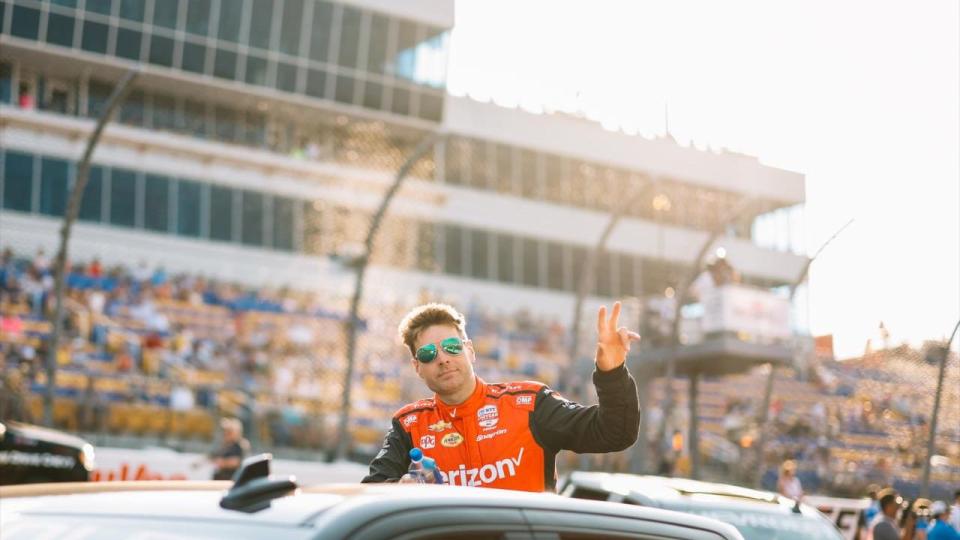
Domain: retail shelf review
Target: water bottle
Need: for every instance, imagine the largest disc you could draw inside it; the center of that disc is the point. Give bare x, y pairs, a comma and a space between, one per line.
416, 470
430, 472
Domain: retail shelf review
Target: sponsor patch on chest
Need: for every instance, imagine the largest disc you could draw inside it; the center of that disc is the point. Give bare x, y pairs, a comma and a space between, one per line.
440, 426
451, 439
428, 441
488, 416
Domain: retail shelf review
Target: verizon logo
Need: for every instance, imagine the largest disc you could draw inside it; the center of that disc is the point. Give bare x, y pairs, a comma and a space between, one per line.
489, 473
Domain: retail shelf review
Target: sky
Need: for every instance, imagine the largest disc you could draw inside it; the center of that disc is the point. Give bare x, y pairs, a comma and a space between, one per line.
862, 97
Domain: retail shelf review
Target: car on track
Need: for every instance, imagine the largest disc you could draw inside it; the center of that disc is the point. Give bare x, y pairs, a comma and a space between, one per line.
758, 515
257, 505
31, 454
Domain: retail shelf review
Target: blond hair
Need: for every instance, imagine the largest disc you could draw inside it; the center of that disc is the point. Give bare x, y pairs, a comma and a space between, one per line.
422, 317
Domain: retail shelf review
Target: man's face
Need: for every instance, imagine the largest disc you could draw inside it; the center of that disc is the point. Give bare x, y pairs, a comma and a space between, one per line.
447, 373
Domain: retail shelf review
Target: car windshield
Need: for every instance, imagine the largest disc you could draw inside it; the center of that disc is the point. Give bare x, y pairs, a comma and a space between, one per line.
769, 526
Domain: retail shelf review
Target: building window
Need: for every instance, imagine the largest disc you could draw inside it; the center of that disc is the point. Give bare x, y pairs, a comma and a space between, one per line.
60, 30
453, 250
225, 64
283, 223
198, 17
479, 254
505, 258
94, 38
156, 216
161, 50
531, 262
290, 27
123, 197
579, 256
479, 164
132, 10
6, 83
252, 218
555, 266
132, 109
256, 70
221, 213
286, 77
91, 205
320, 31
349, 37
312, 241
226, 124
230, 17
378, 44
431, 106
317, 83
194, 57
102, 7
165, 13
25, 22
401, 101
18, 181
129, 43
195, 118
373, 95
53, 186
188, 208
344, 90
260, 23
529, 181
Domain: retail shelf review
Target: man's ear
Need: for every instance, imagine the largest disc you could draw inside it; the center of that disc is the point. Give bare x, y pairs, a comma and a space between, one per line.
416, 365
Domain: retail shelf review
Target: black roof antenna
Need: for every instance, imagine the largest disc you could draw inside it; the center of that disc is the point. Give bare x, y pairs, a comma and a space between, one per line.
253, 488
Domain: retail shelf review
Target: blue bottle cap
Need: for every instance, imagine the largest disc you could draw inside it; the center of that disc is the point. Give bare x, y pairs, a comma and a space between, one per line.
429, 463
416, 454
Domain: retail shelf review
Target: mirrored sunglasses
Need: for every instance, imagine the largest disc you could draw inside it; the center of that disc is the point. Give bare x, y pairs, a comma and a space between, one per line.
428, 353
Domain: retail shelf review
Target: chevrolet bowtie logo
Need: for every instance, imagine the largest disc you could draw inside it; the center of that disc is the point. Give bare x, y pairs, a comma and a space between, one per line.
440, 426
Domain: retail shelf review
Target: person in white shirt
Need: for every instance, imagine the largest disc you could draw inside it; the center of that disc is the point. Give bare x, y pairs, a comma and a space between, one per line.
955, 511
788, 484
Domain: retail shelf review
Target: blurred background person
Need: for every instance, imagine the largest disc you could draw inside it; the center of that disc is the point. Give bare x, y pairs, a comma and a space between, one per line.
788, 484
940, 527
884, 525
226, 459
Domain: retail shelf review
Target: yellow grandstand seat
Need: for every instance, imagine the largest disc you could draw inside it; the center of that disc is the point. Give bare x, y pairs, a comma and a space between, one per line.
65, 414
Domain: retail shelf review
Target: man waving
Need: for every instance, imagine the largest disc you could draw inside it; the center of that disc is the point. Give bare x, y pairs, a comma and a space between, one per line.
503, 435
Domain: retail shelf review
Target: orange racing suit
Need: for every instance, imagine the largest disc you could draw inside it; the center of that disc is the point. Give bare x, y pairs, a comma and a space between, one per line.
507, 435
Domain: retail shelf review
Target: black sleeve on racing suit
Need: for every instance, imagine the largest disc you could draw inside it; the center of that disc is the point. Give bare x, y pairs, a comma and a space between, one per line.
393, 459
610, 426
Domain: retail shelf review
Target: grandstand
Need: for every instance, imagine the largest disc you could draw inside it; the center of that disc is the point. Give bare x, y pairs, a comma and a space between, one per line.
228, 198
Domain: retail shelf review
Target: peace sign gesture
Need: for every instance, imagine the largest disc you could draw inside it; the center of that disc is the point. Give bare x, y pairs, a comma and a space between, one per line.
613, 342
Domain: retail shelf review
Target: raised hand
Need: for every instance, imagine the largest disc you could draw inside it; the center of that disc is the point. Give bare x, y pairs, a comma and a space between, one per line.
613, 342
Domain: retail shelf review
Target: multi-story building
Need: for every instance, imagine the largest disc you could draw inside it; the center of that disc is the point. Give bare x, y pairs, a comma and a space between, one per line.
261, 135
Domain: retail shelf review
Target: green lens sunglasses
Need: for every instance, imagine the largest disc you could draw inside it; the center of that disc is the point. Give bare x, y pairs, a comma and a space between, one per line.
428, 353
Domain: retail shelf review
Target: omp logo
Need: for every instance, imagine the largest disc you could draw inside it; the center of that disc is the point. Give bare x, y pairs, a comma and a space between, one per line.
428, 441
409, 419
489, 473
524, 400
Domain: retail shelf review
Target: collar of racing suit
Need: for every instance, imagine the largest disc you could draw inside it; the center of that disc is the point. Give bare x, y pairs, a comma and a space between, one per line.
463, 419
465, 409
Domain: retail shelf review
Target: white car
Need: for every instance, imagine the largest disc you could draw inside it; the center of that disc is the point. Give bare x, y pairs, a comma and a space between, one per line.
758, 515
260, 506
